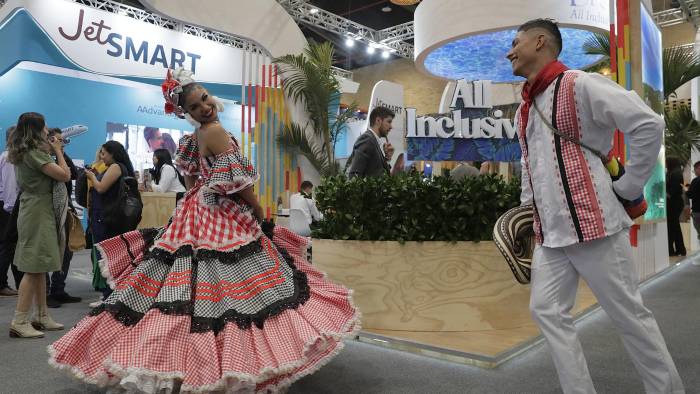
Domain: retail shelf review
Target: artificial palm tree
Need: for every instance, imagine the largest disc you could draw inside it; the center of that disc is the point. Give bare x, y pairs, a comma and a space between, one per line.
682, 133
308, 79
680, 65
598, 44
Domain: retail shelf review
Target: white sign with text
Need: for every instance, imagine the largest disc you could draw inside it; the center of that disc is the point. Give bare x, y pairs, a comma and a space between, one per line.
112, 44
466, 95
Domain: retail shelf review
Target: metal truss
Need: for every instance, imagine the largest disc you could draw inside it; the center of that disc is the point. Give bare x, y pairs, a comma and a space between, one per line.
171, 24
673, 16
692, 9
306, 13
400, 32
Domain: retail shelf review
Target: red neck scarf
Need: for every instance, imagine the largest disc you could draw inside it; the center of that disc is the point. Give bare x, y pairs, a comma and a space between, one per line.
544, 78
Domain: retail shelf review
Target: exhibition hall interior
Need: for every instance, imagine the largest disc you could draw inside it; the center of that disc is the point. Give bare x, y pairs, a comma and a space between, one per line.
349, 196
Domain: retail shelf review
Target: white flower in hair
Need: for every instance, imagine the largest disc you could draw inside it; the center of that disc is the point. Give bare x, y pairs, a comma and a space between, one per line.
219, 104
183, 76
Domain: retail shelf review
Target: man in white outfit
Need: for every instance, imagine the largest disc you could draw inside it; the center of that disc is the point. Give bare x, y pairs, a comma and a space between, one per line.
304, 202
580, 224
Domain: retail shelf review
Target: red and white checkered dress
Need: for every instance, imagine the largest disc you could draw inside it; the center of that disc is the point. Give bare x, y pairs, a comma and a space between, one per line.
211, 302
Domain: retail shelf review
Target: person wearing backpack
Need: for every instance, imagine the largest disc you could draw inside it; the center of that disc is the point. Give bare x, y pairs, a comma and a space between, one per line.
106, 220
166, 179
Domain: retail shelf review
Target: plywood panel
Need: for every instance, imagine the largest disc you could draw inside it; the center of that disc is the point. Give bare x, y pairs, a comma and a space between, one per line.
157, 209
430, 287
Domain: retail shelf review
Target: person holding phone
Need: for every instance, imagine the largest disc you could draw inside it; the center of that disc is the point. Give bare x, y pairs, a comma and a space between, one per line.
370, 156
38, 248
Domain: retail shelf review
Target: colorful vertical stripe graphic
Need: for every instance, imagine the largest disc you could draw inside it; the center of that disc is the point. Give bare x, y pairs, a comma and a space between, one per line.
264, 116
620, 64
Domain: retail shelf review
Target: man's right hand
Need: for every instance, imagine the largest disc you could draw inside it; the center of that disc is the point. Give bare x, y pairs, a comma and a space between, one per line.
388, 150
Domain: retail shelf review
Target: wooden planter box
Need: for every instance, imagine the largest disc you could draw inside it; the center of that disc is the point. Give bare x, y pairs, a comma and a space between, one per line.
458, 296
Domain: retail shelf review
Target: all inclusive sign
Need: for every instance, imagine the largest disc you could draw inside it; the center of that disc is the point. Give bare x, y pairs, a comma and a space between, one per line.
472, 131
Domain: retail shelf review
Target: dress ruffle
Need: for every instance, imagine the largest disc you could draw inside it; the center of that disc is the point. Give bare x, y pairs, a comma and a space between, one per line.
109, 347
225, 227
231, 172
187, 156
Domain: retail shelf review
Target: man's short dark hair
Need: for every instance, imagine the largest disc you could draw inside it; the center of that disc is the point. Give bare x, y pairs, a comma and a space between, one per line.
548, 25
697, 164
380, 112
306, 184
54, 130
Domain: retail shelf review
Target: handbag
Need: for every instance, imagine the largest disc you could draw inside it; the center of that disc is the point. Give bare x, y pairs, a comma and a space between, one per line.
124, 212
76, 235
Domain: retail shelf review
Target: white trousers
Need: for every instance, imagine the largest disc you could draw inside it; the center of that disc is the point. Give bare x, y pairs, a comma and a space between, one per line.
607, 267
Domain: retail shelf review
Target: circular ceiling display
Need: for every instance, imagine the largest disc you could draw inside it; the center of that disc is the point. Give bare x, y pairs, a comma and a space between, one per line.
469, 39
483, 56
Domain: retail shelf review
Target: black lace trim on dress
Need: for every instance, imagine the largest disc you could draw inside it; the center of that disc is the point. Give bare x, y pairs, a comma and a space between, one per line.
129, 317
149, 236
232, 257
120, 311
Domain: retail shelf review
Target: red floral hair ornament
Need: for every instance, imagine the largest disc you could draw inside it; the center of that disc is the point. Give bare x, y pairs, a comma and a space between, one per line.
171, 92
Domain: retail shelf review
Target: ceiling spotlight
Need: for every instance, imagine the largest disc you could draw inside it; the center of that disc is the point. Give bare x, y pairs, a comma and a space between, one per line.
385, 54
386, 9
370, 49
313, 10
349, 42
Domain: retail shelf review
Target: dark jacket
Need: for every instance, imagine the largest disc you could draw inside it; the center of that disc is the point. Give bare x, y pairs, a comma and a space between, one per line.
674, 191
694, 194
367, 157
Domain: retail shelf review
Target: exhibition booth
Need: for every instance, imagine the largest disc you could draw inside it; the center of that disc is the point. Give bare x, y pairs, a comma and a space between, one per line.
99, 68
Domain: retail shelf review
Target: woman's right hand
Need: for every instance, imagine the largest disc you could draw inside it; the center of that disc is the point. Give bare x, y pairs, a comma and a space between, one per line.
56, 145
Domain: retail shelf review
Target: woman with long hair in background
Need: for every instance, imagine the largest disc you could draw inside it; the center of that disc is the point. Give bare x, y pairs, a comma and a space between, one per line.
166, 179
42, 204
105, 189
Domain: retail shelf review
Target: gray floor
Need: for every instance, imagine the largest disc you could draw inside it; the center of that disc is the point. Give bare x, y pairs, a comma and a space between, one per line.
360, 368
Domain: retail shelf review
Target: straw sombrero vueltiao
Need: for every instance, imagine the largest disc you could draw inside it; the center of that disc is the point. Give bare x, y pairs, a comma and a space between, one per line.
515, 238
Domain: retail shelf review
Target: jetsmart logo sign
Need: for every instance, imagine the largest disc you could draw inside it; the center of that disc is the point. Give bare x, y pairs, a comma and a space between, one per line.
467, 95
122, 45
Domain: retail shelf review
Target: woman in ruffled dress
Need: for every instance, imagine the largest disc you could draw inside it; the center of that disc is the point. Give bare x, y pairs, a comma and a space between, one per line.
212, 302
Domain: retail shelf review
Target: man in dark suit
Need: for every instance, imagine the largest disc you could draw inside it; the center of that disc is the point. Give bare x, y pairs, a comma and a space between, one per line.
368, 157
